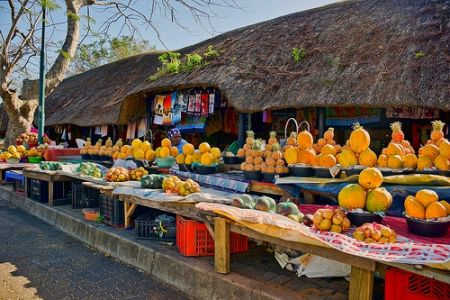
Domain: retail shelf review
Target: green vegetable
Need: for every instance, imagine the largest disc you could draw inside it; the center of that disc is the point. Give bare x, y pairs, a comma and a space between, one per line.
152, 181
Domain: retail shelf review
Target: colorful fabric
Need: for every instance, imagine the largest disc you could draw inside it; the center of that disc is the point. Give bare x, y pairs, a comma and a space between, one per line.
403, 251
172, 132
217, 181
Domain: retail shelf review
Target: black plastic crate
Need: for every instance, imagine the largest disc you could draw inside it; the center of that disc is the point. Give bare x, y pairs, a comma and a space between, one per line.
37, 190
111, 210
147, 227
84, 197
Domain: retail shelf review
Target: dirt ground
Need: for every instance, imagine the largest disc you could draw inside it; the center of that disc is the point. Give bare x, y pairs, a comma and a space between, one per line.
14, 287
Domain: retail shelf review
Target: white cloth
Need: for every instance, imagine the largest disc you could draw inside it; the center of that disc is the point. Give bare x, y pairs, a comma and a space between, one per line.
104, 130
98, 130
142, 128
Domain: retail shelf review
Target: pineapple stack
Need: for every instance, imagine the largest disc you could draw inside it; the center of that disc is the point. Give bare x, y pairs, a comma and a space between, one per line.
252, 151
399, 153
437, 150
273, 157
356, 150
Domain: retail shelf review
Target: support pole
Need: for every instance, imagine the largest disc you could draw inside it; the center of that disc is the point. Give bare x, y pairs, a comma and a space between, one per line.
241, 129
41, 107
321, 120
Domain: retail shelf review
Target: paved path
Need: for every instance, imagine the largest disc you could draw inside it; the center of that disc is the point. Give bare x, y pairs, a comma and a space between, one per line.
60, 267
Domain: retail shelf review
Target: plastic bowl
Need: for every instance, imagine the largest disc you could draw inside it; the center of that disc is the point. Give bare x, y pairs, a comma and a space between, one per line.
427, 228
393, 172
13, 160
185, 167
252, 175
358, 219
85, 156
233, 160
34, 159
301, 171
165, 162
204, 170
90, 214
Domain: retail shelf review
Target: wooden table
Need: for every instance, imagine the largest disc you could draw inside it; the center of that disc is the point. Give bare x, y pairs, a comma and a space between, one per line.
6, 167
362, 269
49, 176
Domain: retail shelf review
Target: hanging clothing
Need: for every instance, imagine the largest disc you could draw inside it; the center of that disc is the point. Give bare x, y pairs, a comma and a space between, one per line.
231, 119
177, 106
98, 130
167, 114
211, 103
267, 116
204, 104
159, 110
142, 128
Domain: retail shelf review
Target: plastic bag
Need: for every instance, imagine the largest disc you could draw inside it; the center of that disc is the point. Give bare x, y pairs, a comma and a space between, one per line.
127, 164
313, 266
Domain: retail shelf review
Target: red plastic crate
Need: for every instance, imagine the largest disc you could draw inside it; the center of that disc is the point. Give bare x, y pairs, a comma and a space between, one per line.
193, 239
401, 284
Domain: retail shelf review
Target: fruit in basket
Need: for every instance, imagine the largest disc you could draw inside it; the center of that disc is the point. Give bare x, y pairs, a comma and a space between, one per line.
265, 203
446, 205
207, 159
331, 219
304, 139
291, 156
444, 148
424, 162
370, 178
426, 197
431, 151
375, 233
327, 160
138, 173
359, 139
367, 158
352, 196
414, 208
188, 149
378, 200
138, 154
395, 162
347, 158
118, 174
166, 143
410, 161
425, 205
164, 152
442, 163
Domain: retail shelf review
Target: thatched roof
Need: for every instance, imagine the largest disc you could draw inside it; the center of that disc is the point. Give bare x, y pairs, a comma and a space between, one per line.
94, 97
374, 53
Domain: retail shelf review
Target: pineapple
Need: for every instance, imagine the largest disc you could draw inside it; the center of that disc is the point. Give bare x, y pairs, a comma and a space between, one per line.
273, 138
437, 132
250, 137
397, 133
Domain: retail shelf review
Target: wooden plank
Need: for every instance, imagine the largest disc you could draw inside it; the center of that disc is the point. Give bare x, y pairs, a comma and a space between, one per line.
210, 229
329, 253
221, 246
129, 209
361, 284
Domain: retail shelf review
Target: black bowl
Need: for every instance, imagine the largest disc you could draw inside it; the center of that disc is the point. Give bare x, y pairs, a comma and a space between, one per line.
353, 171
324, 172
427, 171
233, 160
427, 228
103, 157
185, 168
252, 175
301, 171
204, 170
95, 157
358, 219
392, 172
85, 156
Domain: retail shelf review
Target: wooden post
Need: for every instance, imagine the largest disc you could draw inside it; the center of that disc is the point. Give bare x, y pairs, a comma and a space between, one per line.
361, 284
129, 209
50, 192
321, 120
241, 129
249, 121
221, 246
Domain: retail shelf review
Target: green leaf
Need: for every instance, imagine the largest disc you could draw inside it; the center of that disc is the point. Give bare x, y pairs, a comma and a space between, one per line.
298, 54
49, 5
73, 16
65, 54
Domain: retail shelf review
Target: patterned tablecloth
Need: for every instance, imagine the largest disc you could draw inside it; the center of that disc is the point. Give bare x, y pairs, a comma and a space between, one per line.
407, 249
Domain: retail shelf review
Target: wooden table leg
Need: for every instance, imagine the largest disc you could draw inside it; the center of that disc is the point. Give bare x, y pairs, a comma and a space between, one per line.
221, 246
361, 284
129, 210
50, 193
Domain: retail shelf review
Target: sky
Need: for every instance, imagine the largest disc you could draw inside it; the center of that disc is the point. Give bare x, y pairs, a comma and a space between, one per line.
171, 35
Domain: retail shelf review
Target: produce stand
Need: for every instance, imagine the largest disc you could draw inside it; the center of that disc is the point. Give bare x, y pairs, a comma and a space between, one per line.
6, 167
51, 177
362, 268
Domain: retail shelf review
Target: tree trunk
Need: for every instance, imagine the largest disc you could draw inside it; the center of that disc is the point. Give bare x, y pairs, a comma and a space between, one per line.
20, 114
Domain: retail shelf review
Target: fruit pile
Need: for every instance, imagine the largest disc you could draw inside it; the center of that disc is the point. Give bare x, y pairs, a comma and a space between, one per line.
327, 144
90, 169
139, 150
14, 152
173, 184
367, 194
252, 151
33, 152
399, 153
205, 155
375, 233
436, 153
118, 174
356, 150
331, 219
138, 173
267, 204
426, 205
30, 138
